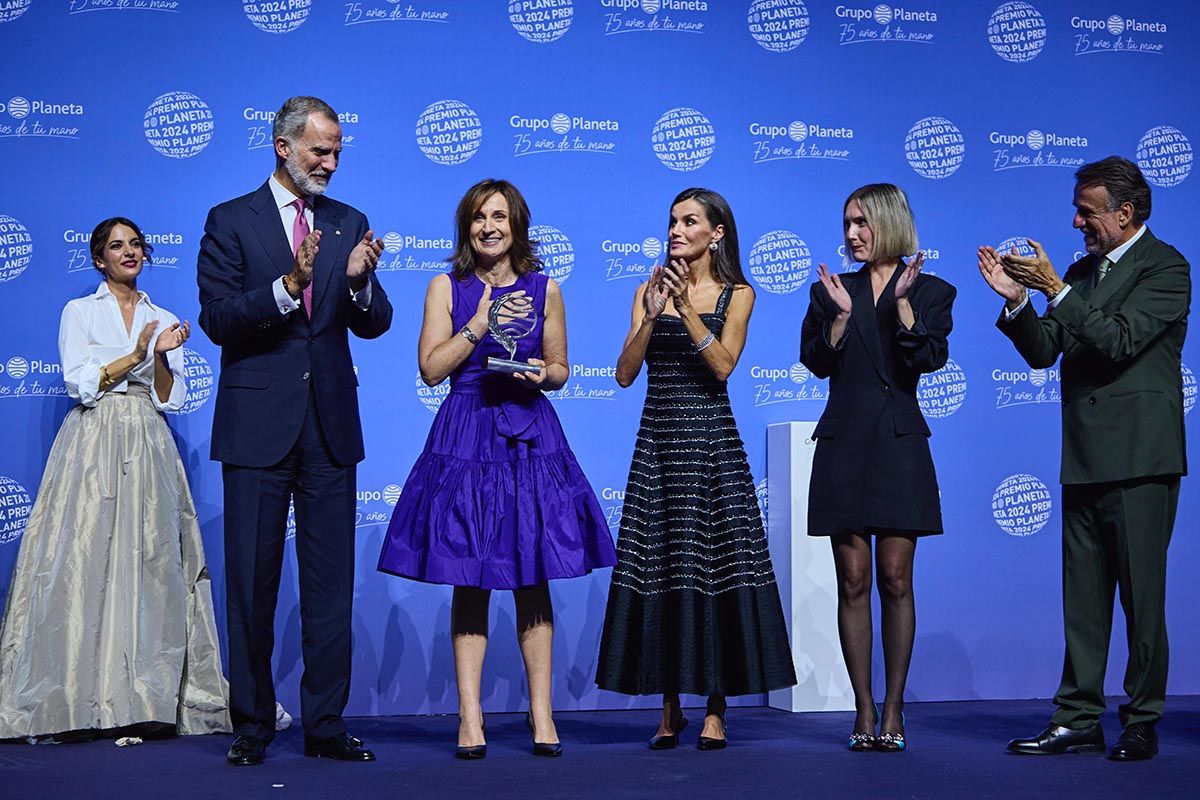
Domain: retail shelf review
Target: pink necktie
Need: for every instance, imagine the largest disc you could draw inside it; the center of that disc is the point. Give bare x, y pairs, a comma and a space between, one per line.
300, 229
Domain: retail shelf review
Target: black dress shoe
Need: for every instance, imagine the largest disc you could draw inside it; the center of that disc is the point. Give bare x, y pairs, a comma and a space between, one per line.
472, 753
1056, 740
1137, 742
671, 739
246, 751
342, 747
547, 749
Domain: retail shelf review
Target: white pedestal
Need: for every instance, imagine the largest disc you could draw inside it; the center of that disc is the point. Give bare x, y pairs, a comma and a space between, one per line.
804, 569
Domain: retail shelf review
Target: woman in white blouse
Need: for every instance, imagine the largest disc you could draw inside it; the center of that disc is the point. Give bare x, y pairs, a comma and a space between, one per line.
109, 628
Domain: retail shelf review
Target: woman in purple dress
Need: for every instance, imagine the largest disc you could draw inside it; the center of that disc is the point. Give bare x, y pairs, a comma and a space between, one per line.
496, 500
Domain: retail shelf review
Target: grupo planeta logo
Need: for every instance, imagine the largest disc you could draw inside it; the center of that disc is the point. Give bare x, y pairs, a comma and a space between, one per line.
778, 25
563, 133
934, 147
1017, 32
683, 139
16, 248
374, 505
555, 250
654, 16
449, 132
1118, 34
1165, 156
631, 259
15, 505
892, 24
541, 21
178, 124
1021, 505
941, 393
277, 16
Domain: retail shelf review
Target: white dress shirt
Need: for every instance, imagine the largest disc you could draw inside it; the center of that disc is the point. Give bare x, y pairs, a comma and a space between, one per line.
92, 335
1113, 257
284, 200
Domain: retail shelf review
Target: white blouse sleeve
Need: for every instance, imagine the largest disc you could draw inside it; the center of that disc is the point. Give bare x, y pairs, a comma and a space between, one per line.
81, 368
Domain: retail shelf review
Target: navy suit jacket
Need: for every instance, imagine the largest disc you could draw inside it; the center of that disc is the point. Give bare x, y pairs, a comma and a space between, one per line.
269, 359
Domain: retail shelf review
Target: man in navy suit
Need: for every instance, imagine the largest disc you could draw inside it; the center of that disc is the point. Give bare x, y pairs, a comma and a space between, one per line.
284, 274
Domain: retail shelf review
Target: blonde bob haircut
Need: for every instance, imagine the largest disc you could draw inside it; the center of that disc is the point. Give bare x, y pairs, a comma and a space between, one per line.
890, 218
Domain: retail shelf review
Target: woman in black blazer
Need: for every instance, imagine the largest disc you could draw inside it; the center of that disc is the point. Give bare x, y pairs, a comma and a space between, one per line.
873, 333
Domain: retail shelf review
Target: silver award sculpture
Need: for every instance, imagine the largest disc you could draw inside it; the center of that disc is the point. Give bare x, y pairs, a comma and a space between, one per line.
511, 318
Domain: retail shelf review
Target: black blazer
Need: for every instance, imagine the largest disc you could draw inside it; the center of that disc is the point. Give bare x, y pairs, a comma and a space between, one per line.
268, 359
1121, 343
872, 468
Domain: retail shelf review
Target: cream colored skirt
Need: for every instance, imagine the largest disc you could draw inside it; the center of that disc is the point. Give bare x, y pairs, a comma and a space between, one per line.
109, 619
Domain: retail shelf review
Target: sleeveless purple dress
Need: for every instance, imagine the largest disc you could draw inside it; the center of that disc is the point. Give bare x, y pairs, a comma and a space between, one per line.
496, 499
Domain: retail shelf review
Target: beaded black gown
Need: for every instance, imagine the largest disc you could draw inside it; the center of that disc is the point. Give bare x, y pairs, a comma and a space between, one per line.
693, 606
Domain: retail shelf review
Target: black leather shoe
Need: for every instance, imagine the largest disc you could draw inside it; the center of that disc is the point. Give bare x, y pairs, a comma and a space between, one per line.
1056, 740
671, 739
547, 749
246, 751
1137, 742
342, 747
709, 743
472, 753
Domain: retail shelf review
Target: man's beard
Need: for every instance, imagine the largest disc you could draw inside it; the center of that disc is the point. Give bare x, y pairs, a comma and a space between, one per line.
306, 183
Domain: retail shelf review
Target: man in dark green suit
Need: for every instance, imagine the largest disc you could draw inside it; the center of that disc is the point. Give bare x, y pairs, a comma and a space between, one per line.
1118, 319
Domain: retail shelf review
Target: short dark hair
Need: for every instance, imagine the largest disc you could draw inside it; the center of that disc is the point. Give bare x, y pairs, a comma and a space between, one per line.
293, 115
726, 262
1124, 182
522, 254
100, 238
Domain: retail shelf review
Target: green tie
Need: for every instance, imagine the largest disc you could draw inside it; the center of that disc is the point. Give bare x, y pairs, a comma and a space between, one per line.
1102, 269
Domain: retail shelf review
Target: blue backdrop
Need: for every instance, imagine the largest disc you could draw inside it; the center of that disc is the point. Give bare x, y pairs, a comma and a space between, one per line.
601, 111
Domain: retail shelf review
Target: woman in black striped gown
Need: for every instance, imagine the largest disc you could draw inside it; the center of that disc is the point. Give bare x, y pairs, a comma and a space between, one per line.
693, 607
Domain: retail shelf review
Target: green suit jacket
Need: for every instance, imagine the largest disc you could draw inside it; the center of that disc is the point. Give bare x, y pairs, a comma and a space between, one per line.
1121, 345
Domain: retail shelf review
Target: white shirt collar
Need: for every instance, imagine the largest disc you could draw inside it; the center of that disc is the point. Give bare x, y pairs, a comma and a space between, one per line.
283, 197
103, 291
1115, 254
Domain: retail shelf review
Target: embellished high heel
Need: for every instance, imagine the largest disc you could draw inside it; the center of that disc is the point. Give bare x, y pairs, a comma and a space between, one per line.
670, 740
547, 749
892, 741
864, 741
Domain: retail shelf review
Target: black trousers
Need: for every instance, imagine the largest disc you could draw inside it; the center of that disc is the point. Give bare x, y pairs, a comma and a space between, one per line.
1115, 538
256, 511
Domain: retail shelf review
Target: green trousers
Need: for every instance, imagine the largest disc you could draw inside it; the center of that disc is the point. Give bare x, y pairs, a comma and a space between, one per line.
1115, 538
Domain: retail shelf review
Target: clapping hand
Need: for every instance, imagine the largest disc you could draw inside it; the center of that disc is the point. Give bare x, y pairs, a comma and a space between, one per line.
909, 276
676, 278
836, 291
654, 299
172, 337
143, 341
364, 257
991, 266
1033, 272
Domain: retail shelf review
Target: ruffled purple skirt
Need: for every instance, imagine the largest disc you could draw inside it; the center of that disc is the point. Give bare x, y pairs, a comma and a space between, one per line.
496, 499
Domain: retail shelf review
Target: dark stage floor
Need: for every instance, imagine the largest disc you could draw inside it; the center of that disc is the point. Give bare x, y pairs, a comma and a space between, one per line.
956, 750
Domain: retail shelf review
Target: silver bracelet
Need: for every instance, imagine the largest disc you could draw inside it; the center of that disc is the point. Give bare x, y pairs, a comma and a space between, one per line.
468, 334
703, 343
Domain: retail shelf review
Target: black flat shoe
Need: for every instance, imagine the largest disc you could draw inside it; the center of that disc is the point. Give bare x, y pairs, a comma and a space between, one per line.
671, 739
246, 751
342, 747
1057, 740
1137, 742
709, 743
547, 749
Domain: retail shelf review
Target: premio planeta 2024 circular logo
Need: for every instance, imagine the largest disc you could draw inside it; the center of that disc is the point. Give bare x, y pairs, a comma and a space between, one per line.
449, 132
778, 25
178, 124
541, 21
683, 139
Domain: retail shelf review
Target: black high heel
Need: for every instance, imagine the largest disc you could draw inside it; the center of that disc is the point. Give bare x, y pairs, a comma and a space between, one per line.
547, 749
473, 752
670, 740
892, 741
709, 743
